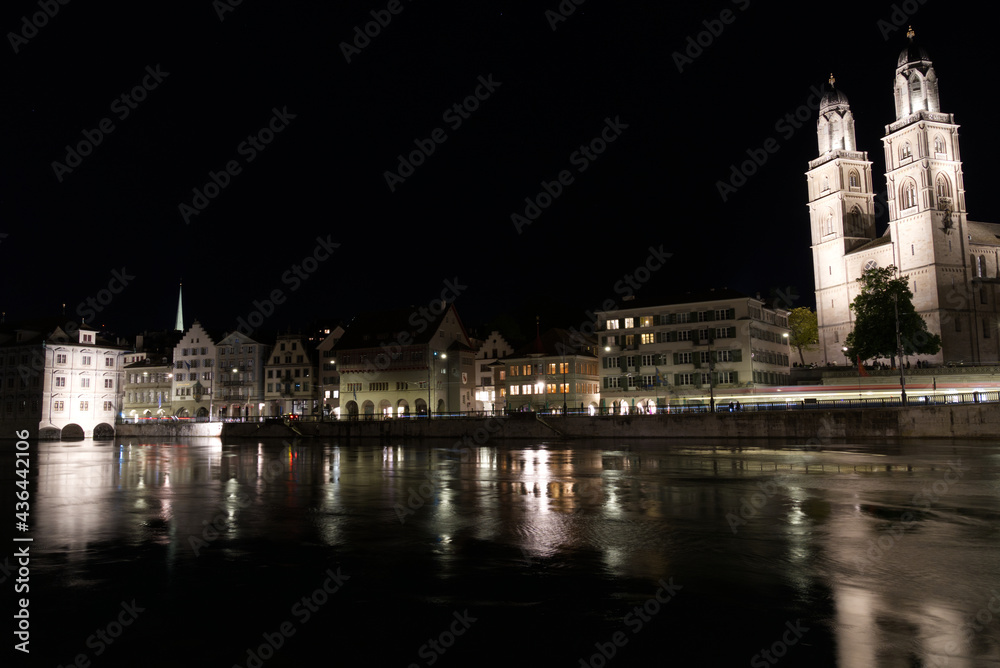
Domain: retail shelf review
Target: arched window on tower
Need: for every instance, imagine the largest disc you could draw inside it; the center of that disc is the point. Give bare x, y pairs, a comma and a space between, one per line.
908, 194
941, 186
857, 223
905, 151
854, 180
826, 183
829, 222
982, 267
939, 145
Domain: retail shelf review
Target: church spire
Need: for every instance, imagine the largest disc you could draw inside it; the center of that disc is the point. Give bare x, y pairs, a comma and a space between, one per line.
179, 324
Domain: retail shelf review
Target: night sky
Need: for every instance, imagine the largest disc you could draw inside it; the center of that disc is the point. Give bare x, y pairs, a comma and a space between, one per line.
212, 77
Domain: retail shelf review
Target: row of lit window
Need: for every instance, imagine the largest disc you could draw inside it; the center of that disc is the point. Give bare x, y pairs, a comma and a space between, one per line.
670, 319
60, 406
109, 383
550, 388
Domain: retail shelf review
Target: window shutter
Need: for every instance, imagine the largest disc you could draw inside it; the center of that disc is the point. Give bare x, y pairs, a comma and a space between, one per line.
709, 315
731, 314
732, 332
675, 359
737, 355
736, 377
673, 318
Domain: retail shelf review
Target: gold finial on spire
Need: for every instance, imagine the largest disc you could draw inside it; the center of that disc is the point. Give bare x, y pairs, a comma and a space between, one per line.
910, 33
832, 80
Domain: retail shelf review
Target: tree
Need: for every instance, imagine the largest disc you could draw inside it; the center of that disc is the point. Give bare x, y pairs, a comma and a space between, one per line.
874, 335
804, 332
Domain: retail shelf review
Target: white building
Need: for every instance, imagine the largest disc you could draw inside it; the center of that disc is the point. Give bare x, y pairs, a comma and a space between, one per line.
60, 381
951, 262
682, 350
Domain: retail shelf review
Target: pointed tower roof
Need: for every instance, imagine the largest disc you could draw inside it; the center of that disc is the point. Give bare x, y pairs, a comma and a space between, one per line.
179, 323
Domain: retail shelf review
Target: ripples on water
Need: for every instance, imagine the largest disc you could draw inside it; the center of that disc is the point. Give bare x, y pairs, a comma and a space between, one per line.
885, 554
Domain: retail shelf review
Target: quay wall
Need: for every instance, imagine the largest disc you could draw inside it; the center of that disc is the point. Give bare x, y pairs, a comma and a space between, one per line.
971, 421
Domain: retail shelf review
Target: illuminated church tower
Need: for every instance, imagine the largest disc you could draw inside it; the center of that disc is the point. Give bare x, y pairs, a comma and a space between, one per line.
951, 262
841, 213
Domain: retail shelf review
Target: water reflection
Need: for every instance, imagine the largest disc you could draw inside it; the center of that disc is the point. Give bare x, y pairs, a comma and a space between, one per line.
888, 553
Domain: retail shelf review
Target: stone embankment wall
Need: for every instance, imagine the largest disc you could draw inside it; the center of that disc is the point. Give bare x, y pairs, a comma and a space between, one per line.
954, 421
170, 429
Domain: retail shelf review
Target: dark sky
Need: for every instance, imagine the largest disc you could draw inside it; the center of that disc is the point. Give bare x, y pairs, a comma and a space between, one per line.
323, 174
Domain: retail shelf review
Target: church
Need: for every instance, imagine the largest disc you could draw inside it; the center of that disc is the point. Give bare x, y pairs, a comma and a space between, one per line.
952, 263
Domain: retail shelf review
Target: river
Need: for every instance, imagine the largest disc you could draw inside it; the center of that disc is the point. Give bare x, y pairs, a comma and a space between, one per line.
601, 553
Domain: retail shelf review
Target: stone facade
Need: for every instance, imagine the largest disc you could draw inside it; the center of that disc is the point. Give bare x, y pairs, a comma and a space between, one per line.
951, 262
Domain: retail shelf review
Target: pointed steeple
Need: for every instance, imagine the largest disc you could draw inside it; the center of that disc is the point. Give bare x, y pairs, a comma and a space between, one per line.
179, 324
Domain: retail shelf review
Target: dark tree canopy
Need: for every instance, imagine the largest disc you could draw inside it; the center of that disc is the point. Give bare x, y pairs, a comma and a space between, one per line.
874, 335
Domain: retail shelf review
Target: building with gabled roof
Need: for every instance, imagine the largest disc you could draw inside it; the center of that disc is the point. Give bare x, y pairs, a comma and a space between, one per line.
291, 385
397, 363
194, 373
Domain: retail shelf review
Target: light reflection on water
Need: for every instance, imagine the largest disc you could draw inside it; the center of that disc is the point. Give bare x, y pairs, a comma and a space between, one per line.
888, 552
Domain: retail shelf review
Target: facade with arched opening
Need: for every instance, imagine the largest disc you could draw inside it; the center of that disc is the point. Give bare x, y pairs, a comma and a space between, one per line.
57, 374
951, 263
397, 363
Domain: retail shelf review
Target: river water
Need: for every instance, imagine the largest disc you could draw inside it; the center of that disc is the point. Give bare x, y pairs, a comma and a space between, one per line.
601, 553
